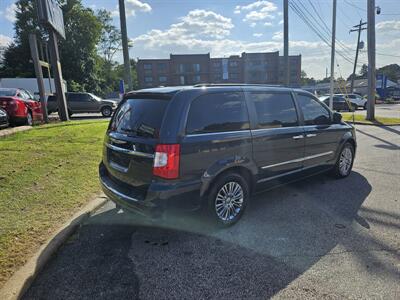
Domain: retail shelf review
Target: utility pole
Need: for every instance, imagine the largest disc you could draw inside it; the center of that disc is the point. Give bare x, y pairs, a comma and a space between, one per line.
371, 61
125, 49
333, 55
286, 40
359, 29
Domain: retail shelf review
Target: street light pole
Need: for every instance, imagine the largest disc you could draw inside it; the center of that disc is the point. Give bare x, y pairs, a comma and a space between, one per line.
333, 55
125, 49
286, 40
371, 61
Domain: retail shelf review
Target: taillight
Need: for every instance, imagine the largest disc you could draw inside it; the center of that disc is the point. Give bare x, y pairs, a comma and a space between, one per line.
166, 161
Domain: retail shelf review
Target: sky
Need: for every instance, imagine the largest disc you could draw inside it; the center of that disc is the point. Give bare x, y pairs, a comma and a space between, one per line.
227, 27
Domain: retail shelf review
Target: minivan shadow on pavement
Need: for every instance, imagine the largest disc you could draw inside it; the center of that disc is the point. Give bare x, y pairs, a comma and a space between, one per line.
283, 233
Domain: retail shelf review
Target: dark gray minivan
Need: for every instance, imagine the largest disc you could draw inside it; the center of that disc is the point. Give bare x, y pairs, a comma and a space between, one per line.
215, 145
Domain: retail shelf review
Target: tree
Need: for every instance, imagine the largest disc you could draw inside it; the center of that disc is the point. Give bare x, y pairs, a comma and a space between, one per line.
110, 39
17, 56
78, 52
392, 71
305, 80
364, 71
79, 58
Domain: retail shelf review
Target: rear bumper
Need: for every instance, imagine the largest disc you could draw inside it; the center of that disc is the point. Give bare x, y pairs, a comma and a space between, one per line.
158, 197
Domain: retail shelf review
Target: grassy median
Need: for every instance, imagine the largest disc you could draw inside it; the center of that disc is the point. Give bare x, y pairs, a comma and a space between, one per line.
46, 175
348, 117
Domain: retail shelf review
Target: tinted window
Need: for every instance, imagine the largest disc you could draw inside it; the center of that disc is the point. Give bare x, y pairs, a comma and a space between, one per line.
139, 117
217, 112
314, 112
274, 110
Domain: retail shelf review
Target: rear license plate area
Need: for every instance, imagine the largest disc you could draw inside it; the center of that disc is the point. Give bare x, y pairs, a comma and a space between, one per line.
119, 159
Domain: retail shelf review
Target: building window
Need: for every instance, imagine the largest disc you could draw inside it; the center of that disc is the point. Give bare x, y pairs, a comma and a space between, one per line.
147, 66
182, 80
216, 65
162, 67
148, 79
181, 68
233, 64
255, 63
162, 78
196, 78
196, 67
148, 72
234, 75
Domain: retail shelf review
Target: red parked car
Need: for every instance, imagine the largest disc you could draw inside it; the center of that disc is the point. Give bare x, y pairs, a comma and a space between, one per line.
21, 106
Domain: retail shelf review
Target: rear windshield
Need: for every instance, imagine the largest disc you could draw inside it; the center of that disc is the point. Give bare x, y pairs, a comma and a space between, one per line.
139, 117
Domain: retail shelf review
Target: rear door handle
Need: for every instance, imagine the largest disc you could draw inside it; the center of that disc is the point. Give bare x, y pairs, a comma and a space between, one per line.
297, 137
311, 135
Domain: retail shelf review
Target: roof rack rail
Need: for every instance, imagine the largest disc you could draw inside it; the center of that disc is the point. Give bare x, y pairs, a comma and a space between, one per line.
236, 84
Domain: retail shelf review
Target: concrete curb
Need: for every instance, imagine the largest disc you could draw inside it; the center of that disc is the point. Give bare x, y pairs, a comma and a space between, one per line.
19, 283
9, 131
368, 124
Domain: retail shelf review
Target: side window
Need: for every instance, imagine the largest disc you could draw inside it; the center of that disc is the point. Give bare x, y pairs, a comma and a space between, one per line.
217, 112
274, 110
314, 113
84, 98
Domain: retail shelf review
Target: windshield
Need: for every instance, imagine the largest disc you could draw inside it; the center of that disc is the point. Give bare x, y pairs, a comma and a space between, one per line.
139, 117
8, 92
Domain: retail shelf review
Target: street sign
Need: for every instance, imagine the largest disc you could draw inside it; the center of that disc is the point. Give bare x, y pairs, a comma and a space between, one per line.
51, 14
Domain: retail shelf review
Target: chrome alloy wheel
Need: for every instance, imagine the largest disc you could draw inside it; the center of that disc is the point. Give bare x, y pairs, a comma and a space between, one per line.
229, 201
345, 161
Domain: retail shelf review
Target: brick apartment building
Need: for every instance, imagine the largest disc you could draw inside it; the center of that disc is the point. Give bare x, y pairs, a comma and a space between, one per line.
190, 69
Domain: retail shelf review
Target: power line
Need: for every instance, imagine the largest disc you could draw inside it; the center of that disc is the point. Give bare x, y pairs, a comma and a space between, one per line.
314, 28
355, 6
383, 54
345, 48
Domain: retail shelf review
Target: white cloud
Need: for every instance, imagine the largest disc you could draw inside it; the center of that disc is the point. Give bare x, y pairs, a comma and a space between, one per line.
10, 12
280, 22
277, 36
388, 26
253, 24
131, 7
202, 31
257, 11
5, 40
268, 24
257, 34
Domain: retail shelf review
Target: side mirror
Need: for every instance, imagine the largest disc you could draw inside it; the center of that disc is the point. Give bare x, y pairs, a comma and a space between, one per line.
337, 118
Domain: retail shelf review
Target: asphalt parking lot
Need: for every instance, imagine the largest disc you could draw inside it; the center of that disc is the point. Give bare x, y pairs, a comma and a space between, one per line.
318, 238
384, 110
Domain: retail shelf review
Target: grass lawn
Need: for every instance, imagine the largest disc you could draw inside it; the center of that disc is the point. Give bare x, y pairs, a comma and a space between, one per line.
348, 117
46, 175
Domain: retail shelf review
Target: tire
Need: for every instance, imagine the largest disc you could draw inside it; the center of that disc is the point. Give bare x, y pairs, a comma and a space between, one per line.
106, 111
365, 106
344, 163
29, 119
224, 210
70, 113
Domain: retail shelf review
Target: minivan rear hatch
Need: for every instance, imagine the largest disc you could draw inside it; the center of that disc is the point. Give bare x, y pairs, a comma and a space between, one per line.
132, 137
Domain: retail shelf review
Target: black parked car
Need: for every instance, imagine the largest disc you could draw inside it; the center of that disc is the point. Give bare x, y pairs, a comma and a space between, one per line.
216, 145
340, 103
3, 118
83, 103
